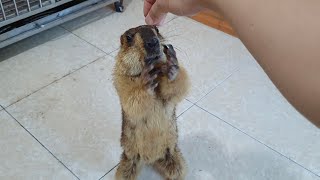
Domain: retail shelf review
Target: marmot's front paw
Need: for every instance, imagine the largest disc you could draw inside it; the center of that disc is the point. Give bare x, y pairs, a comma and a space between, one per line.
173, 65
149, 78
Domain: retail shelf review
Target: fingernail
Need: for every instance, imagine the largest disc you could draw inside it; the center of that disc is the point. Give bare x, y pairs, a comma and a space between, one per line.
149, 21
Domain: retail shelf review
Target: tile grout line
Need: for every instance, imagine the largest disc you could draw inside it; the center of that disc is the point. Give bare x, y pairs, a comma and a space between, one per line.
195, 104
88, 41
169, 21
186, 109
218, 85
105, 54
109, 171
174, 18
109, 54
41, 143
260, 142
56, 80
114, 51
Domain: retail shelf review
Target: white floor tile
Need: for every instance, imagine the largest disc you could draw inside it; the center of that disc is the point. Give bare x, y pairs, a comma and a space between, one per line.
215, 150
22, 157
78, 118
249, 101
35, 62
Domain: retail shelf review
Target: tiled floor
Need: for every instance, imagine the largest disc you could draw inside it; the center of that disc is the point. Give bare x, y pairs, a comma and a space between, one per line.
62, 116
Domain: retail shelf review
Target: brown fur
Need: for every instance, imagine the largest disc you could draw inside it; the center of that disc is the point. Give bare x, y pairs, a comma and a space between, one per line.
149, 127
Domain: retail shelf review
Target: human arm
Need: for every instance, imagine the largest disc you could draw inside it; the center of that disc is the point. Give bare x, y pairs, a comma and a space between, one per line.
283, 36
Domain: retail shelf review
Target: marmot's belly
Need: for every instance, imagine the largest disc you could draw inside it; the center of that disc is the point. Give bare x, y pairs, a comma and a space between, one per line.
153, 140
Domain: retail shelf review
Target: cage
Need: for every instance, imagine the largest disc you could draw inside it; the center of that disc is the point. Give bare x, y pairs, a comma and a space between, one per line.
20, 19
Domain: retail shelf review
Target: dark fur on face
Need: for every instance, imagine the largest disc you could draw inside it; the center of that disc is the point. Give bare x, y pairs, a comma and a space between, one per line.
143, 44
146, 32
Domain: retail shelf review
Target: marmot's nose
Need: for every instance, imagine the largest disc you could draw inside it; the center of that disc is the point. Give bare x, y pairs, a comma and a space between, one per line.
153, 43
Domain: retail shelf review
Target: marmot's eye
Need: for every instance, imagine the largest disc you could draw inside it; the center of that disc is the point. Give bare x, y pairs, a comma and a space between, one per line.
129, 38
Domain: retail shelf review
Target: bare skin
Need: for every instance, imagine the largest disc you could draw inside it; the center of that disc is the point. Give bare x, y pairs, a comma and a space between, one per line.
283, 36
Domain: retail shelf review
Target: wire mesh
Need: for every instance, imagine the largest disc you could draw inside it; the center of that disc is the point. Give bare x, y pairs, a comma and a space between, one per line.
13, 8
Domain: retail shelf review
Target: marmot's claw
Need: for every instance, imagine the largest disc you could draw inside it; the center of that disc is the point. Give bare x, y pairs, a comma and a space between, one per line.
151, 86
169, 51
173, 66
170, 54
173, 72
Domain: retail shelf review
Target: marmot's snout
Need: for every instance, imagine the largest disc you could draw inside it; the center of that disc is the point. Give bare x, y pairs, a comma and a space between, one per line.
152, 45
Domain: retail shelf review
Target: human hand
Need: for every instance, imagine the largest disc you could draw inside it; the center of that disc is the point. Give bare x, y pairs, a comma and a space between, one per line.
155, 11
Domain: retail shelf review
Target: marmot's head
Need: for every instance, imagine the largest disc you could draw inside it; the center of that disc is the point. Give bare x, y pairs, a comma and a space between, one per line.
139, 46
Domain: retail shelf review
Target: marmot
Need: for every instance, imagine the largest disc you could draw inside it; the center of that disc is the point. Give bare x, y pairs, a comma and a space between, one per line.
150, 83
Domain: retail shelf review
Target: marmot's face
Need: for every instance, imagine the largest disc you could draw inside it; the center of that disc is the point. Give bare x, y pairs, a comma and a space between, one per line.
140, 46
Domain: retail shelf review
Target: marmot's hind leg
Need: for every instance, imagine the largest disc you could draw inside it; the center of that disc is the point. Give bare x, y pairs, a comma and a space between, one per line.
172, 166
128, 168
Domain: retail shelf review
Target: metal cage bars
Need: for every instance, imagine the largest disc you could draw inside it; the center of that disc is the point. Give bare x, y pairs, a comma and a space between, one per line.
14, 8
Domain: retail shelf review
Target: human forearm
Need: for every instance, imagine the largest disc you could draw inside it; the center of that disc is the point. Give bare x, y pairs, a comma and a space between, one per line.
284, 38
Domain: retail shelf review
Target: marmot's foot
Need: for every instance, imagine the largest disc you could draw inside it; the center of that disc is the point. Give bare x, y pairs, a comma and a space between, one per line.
172, 166
173, 65
128, 168
149, 78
